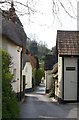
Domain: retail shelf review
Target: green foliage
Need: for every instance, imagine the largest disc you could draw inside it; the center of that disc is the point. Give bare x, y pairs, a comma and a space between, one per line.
52, 88
10, 108
41, 64
53, 50
40, 49
33, 48
37, 75
37, 65
51, 93
0, 85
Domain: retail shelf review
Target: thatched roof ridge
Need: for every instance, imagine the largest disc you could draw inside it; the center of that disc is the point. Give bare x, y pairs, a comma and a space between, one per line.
14, 32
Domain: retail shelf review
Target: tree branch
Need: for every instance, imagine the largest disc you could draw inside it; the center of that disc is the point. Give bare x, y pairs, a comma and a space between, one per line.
66, 10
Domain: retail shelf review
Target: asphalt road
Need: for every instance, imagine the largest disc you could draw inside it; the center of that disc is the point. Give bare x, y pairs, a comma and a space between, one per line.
38, 105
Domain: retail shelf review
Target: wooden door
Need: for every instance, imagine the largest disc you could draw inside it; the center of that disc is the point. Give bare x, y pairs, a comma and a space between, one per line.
78, 82
70, 78
24, 84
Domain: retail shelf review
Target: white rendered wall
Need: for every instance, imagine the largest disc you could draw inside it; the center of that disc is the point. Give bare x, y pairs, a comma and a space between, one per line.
48, 78
59, 77
27, 71
11, 48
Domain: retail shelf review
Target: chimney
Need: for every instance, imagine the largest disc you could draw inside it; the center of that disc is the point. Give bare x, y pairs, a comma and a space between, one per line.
12, 14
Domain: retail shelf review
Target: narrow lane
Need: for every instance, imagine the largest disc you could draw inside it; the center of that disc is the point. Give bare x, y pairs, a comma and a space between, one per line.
38, 105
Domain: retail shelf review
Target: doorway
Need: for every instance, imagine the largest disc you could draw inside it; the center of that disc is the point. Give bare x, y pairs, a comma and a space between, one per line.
23, 84
78, 82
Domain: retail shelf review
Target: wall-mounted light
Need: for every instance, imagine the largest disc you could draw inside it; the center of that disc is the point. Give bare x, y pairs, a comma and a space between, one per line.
19, 49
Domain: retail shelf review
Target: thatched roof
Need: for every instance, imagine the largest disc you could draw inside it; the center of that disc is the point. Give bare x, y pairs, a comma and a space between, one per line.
29, 58
14, 32
68, 42
32, 61
25, 59
50, 60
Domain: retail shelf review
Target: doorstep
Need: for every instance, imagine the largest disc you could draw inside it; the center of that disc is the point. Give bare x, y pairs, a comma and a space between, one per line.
53, 99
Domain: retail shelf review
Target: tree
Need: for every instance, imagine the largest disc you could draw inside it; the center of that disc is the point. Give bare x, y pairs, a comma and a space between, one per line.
42, 49
37, 62
29, 7
37, 76
53, 50
37, 48
33, 48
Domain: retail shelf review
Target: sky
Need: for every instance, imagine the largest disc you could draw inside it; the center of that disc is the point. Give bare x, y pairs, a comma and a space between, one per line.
43, 24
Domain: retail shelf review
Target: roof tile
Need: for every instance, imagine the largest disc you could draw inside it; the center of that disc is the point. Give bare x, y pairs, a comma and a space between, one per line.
68, 42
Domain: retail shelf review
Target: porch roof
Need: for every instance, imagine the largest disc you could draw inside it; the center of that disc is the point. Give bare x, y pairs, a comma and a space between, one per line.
50, 60
68, 42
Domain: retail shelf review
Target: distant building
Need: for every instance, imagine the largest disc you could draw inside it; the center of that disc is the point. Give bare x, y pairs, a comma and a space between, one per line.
29, 64
27, 73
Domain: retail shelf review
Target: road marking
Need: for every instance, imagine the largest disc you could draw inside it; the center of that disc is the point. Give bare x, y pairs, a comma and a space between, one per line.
47, 117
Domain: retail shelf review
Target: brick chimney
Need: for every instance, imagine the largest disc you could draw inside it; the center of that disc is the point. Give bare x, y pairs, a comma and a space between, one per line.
12, 14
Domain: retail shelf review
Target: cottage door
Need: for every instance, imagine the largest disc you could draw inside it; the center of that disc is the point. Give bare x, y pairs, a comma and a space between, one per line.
78, 82
24, 84
70, 78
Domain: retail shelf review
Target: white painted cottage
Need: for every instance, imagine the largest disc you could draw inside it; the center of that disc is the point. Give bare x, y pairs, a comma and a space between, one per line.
27, 73
13, 40
68, 65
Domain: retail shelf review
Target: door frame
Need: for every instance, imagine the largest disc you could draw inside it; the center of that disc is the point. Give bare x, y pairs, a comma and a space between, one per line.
78, 80
24, 77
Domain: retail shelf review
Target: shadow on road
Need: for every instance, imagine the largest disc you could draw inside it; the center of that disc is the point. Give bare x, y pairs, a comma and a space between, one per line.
38, 105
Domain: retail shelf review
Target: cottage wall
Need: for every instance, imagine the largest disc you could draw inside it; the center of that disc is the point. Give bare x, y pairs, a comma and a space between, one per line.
59, 77
56, 88
45, 80
12, 49
27, 71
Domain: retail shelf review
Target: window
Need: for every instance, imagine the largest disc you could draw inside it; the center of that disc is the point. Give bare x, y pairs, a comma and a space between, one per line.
70, 68
14, 75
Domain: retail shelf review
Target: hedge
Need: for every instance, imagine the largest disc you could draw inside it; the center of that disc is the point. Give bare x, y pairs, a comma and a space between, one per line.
10, 107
